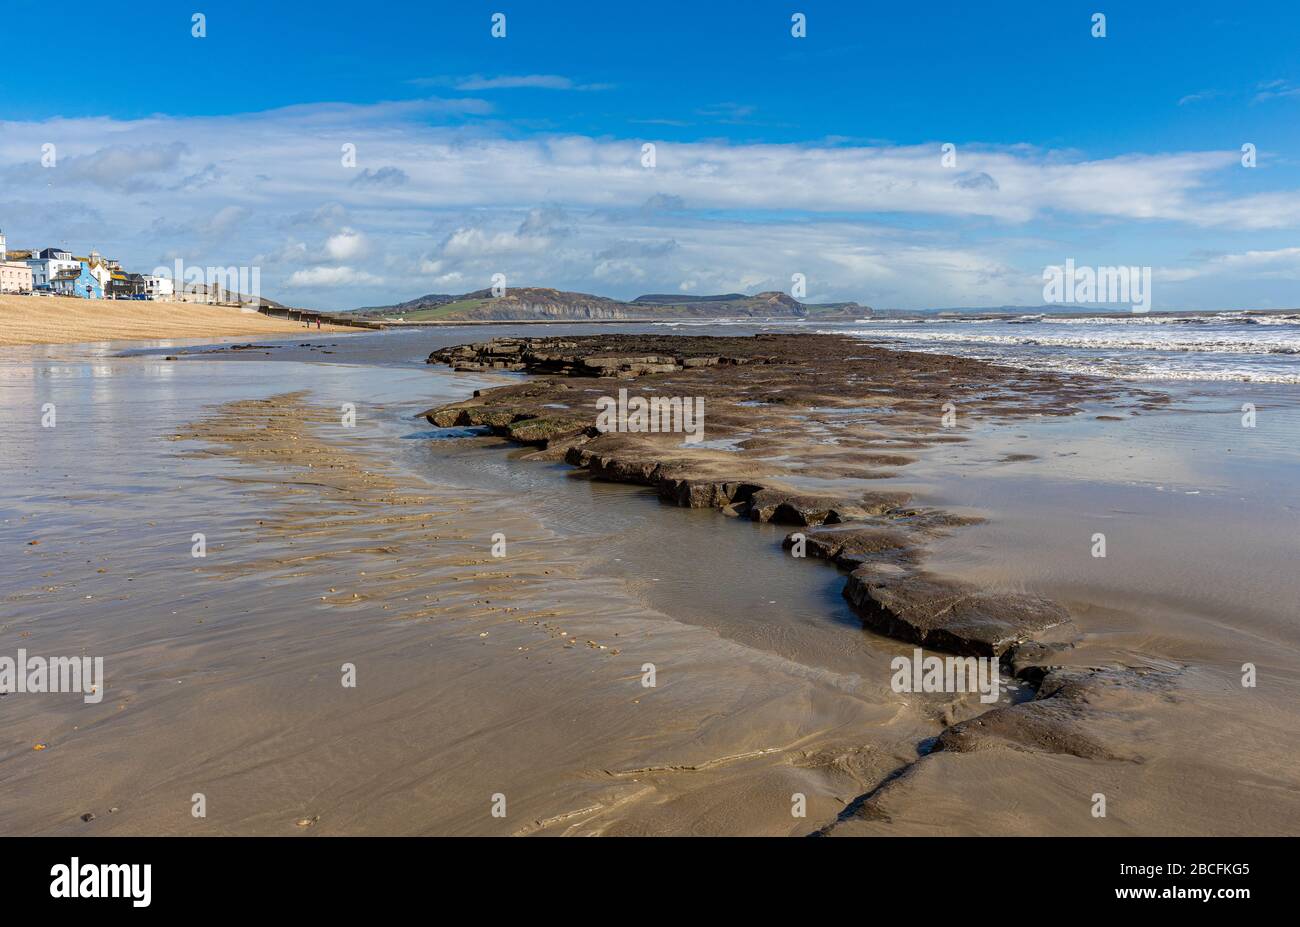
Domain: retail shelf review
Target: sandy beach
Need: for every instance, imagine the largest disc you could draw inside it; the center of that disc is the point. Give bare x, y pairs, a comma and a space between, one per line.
477, 676
520, 671
66, 320
1117, 697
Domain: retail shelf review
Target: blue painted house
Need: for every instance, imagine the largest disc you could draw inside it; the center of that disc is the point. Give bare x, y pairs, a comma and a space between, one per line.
79, 282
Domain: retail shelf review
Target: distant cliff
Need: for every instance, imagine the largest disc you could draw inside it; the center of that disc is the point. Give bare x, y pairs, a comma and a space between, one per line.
531, 303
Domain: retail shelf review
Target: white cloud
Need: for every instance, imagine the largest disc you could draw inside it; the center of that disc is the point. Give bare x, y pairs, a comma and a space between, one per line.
346, 245
1275, 90
477, 82
538, 81
1280, 263
475, 242
431, 207
332, 276
295, 151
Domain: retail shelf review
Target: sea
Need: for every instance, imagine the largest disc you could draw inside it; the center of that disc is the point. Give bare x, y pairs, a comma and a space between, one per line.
1198, 346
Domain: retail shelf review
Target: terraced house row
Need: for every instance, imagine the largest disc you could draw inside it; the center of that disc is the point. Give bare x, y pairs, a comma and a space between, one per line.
57, 272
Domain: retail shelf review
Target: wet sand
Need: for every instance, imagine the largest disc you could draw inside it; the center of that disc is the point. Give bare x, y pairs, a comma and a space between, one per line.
1199, 515
479, 675
1143, 684
476, 676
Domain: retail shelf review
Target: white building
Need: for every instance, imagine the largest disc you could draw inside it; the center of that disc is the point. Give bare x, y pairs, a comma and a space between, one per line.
49, 264
101, 270
156, 287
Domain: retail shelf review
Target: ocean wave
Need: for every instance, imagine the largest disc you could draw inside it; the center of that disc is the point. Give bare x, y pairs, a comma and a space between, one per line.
1208, 318
1228, 318
1120, 368
1209, 342
1153, 372
1113, 358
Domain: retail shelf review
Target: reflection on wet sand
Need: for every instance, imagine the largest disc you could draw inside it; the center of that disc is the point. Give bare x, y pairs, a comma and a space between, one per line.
522, 676
475, 676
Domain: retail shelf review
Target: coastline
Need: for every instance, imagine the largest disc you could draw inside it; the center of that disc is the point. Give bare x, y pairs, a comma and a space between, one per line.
326, 544
768, 463
1090, 699
28, 320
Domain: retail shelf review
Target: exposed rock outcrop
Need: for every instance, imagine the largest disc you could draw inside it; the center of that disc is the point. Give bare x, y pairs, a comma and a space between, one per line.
1063, 717
787, 417
945, 615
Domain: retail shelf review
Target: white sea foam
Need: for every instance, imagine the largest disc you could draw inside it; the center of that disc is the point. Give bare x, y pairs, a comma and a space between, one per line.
1128, 367
1227, 346
1209, 346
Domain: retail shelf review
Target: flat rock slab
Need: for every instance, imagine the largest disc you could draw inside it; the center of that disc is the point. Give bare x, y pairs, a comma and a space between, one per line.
493, 416
544, 429
948, 616
796, 425
856, 544
1065, 717
789, 508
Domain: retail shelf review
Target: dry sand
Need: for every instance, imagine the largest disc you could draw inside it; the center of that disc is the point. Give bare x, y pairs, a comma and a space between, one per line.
65, 320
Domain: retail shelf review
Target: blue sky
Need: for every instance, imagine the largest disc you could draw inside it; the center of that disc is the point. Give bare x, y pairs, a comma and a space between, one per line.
774, 155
